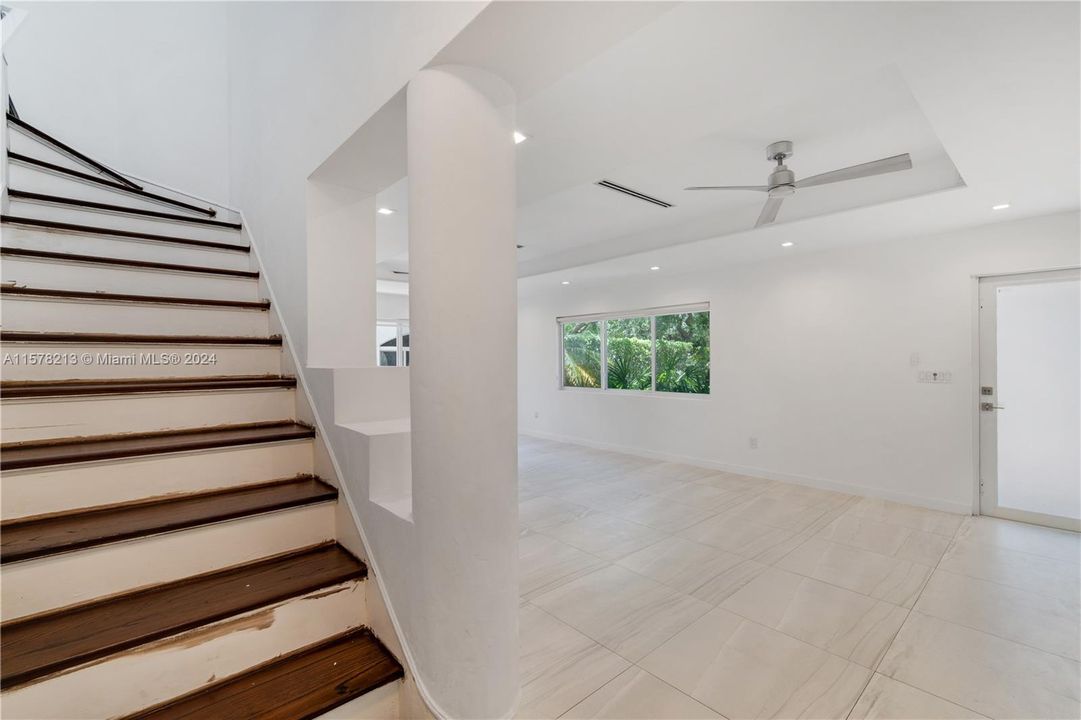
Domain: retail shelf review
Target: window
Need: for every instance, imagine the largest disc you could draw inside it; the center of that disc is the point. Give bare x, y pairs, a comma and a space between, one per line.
392, 339
659, 350
581, 354
683, 352
628, 344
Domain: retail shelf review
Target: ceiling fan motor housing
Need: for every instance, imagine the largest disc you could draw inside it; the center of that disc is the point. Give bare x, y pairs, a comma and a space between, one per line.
782, 181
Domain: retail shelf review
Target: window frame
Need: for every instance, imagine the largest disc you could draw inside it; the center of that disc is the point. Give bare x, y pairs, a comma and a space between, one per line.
652, 314
401, 353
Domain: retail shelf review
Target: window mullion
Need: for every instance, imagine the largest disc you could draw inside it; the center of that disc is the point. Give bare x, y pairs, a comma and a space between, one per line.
653, 353
604, 354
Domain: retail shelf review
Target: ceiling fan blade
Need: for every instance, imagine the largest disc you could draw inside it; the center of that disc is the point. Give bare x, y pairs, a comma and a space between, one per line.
875, 167
769, 211
758, 188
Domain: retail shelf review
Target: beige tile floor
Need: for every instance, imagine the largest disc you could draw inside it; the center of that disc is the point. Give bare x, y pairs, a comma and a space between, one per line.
655, 590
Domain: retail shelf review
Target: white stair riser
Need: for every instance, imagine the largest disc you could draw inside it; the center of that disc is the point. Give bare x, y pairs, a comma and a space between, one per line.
40, 314
124, 249
99, 361
25, 144
31, 178
40, 419
121, 221
33, 586
152, 673
102, 278
69, 487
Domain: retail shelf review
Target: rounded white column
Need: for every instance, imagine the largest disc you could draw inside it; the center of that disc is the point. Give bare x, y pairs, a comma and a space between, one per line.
463, 388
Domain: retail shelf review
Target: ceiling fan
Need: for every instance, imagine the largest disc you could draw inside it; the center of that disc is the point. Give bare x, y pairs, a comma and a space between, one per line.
782, 181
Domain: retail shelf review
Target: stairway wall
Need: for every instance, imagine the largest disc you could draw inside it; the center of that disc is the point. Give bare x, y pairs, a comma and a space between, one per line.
304, 77
142, 86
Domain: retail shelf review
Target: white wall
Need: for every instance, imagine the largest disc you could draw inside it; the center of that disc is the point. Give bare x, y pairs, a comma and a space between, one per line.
812, 355
304, 77
141, 87
389, 306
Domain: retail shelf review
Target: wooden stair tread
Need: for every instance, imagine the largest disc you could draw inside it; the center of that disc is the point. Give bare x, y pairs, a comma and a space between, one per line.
134, 339
16, 389
109, 207
98, 180
23, 539
297, 686
127, 297
58, 640
79, 229
62, 451
122, 262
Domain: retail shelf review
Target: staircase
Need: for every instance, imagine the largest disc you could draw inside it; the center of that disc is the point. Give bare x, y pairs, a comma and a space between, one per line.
166, 550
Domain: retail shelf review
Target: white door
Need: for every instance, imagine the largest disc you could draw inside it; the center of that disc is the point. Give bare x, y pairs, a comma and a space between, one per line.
1030, 398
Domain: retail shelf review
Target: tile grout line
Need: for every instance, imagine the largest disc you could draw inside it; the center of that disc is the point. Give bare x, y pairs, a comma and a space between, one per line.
908, 614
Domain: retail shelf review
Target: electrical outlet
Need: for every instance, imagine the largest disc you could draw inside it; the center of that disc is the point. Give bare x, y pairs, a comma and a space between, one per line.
753, 443
937, 377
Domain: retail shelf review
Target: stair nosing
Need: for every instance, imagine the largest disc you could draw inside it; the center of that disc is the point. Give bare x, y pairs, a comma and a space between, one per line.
78, 229
122, 262
32, 390
31, 196
290, 431
49, 669
52, 167
363, 631
28, 336
327, 493
88, 295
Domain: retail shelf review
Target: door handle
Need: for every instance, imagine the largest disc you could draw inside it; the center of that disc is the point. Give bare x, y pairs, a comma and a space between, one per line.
988, 407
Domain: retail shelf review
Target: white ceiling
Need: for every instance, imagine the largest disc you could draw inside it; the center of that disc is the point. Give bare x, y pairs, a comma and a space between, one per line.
985, 96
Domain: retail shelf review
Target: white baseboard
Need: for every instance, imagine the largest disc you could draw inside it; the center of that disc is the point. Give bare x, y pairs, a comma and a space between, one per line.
820, 483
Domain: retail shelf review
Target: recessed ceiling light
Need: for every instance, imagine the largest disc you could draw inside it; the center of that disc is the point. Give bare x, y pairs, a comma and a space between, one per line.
565, 282
787, 244
519, 137
385, 211
1001, 206
655, 267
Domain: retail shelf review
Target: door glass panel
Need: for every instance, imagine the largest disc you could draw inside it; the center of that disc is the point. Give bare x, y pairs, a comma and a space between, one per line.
1039, 384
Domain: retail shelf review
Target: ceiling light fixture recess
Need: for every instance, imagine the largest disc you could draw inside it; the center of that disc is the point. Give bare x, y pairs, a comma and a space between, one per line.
385, 211
787, 244
565, 282
655, 267
519, 137
1000, 206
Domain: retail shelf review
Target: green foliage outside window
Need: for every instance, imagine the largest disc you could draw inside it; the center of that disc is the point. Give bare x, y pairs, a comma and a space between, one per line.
629, 363
682, 353
582, 355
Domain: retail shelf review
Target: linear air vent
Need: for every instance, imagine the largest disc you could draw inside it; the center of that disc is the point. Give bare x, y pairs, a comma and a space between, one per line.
400, 272
633, 193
